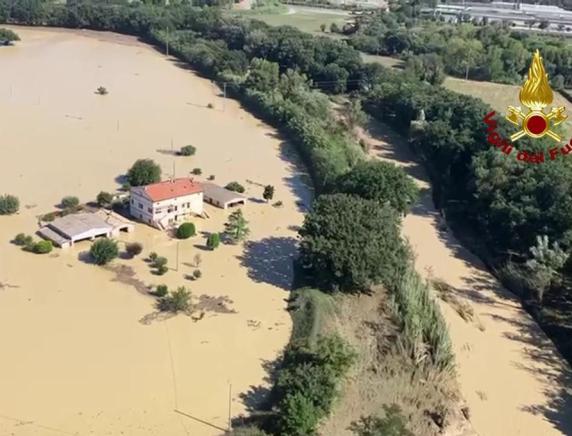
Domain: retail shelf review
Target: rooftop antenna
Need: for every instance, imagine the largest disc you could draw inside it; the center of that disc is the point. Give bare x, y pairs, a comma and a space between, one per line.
173, 154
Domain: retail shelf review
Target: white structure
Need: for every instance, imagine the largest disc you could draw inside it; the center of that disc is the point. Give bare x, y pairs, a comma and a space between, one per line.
222, 197
67, 230
166, 203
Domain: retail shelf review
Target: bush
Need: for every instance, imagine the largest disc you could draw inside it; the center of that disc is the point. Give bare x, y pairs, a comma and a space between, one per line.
393, 424
50, 216
196, 171
134, 248
42, 247
268, 193
197, 274
101, 90
213, 241
70, 202
9, 204
160, 261
23, 240
187, 150
161, 291
162, 270
104, 199
144, 172
176, 301
153, 256
103, 251
186, 230
7, 36
350, 244
211, 177
235, 186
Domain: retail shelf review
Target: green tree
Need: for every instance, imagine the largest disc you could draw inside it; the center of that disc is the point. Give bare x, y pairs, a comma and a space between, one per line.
176, 301
144, 172
354, 114
134, 248
263, 75
186, 230
464, 53
213, 241
70, 202
237, 227
104, 199
546, 263
9, 204
104, 251
298, 416
188, 150
235, 186
7, 37
42, 247
268, 193
350, 244
380, 181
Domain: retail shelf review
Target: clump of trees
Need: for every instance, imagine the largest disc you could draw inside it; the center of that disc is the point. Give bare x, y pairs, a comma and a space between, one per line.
350, 244
237, 227
235, 187
186, 230
187, 150
103, 251
9, 204
144, 172
28, 244
380, 181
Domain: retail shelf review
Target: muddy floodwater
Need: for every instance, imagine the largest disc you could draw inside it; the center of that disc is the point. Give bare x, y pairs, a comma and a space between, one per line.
83, 351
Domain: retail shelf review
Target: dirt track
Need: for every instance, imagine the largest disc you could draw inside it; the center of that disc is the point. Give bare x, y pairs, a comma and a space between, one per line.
510, 374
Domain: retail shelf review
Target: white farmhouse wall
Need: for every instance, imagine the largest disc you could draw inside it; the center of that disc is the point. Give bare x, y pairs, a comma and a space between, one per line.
174, 210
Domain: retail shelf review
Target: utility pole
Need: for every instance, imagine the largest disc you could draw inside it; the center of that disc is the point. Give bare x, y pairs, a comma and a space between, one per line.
168, 37
178, 242
229, 406
173, 154
224, 96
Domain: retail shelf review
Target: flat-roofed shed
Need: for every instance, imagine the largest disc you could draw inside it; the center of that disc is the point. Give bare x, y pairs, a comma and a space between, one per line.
221, 197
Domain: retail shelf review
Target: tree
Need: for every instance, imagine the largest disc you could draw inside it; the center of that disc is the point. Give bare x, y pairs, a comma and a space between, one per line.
103, 251
9, 204
161, 291
350, 244
263, 75
187, 150
298, 415
70, 202
323, 27
268, 193
134, 248
23, 240
235, 186
354, 114
176, 301
465, 53
144, 172
197, 274
334, 28
104, 199
379, 181
393, 424
43, 247
213, 241
101, 90
545, 264
7, 37
237, 227
186, 230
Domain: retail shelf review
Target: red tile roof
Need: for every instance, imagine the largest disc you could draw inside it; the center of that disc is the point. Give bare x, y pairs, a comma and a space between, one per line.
172, 189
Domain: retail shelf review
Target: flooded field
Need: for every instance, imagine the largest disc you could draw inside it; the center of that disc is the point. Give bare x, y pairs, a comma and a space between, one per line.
83, 351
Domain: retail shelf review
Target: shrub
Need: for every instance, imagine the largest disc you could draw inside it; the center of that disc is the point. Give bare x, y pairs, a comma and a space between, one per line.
22, 240
70, 202
298, 416
144, 172
176, 301
9, 204
134, 248
235, 186
197, 274
101, 90
153, 256
49, 217
162, 270
186, 230
42, 247
211, 177
104, 199
393, 424
210, 106
7, 36
187, 150
213, 241
103, 251
268, 193
197, 259
278, 204
196, 171
161, 291
160, 261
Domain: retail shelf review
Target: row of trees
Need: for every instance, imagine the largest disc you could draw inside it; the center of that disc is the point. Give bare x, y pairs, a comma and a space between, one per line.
494, 52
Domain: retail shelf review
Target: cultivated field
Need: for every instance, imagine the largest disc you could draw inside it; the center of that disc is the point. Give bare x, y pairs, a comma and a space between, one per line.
83, 350
305, 18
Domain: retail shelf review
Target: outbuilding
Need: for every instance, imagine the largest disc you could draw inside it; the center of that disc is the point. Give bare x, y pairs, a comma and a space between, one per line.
221, 197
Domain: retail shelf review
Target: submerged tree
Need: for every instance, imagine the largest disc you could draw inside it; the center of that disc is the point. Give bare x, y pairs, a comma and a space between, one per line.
144, 172
237, 227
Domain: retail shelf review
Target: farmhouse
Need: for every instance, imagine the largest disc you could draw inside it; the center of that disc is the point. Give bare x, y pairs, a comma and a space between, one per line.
166, 203
221, 197
67, 230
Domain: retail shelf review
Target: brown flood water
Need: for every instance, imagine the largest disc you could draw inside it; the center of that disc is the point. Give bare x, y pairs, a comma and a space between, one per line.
76, 357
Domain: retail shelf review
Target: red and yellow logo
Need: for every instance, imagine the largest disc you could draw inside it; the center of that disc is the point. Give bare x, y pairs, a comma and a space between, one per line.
535, 95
